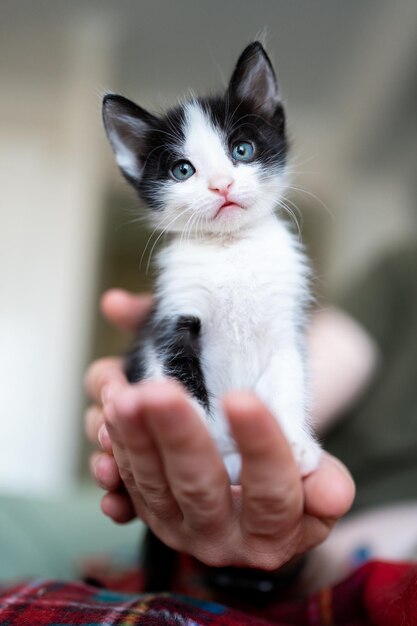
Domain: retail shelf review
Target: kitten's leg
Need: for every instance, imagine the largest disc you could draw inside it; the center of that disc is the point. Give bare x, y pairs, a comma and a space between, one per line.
233, 464
282, 387
169, 347
177, 340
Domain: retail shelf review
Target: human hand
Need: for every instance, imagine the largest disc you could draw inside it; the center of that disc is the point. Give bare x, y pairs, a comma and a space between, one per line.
177, 483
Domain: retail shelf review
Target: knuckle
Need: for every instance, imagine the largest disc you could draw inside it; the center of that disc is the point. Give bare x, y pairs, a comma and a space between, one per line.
152, 490
158, 499
264, 509
196, 494
163, 510
129, 480
189, 493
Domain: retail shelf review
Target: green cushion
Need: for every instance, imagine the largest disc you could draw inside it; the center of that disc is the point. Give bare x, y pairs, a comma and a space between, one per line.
50, 537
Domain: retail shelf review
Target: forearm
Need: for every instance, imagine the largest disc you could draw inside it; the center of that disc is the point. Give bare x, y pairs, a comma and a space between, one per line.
342, 361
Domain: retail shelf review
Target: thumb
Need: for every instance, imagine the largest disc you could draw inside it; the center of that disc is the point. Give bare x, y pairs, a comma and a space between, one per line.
125, 310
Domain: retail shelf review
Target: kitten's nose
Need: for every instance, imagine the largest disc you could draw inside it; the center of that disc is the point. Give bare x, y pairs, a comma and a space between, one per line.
221, 184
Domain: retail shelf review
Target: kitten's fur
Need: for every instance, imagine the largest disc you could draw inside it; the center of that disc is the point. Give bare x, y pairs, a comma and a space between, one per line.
232, 282
232, 286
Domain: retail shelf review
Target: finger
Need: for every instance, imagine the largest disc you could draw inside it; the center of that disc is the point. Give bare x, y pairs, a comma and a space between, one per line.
95, 428
118, 507
104, 469
100, 374
104, 439
93, 421
197, 475
313, 531
125, 310
272, 499
329, 490
137, 456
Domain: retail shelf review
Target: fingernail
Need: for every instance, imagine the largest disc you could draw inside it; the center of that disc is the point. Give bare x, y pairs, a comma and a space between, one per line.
104, 439
101, 436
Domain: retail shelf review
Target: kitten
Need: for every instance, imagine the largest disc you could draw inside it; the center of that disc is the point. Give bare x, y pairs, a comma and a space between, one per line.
233, 281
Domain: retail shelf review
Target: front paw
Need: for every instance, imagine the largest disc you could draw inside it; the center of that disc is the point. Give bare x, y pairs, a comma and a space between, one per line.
307, 453
233, 463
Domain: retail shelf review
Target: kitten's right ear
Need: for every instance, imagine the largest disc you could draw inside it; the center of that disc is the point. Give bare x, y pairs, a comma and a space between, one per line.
126, 126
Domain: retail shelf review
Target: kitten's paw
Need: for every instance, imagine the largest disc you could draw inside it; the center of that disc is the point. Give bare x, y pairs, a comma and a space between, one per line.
307, 453
233, 463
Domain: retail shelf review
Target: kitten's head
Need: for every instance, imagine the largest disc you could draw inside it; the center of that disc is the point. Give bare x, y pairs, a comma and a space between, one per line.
210, 165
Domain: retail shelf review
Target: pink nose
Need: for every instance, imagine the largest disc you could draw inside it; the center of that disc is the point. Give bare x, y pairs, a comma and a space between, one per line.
221, 184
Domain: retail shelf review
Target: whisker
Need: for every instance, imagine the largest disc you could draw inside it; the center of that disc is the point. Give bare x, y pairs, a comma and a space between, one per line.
161, 234
312, 195
291, 213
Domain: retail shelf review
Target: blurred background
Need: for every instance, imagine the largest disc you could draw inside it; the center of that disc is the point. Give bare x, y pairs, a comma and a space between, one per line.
347, 72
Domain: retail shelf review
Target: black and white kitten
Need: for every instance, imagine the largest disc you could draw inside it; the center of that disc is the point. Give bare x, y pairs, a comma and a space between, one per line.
232, 283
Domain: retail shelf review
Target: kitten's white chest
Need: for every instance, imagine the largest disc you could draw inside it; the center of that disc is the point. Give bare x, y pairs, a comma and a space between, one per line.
246, 294
234, 330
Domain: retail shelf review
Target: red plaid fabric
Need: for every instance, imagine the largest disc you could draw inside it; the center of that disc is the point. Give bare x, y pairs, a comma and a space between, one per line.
47, 603
377, 594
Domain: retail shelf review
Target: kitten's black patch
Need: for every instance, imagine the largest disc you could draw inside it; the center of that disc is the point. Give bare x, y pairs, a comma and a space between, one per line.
177, 345
239, 121
164, 146
135, 360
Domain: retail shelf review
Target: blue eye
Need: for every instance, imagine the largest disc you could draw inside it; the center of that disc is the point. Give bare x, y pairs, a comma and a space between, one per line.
242, 151
182, 170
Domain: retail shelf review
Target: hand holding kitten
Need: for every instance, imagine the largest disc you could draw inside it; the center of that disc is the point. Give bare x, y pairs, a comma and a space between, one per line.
177, 484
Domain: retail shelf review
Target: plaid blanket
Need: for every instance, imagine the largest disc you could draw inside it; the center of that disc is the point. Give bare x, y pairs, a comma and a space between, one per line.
377, 594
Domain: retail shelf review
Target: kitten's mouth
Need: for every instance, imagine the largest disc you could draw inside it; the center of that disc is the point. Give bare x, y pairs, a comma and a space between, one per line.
227, 207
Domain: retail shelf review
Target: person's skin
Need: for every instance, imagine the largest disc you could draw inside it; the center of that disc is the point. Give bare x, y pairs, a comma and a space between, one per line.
342, 359
159, 463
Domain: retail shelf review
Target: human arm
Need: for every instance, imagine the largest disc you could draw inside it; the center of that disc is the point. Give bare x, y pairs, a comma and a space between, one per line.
342, 357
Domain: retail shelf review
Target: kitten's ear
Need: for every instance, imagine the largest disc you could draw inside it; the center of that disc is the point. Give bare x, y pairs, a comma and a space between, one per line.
126, 126
254, 79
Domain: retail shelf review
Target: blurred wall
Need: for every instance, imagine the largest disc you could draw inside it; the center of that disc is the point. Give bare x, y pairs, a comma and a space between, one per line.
348, 76
52, 185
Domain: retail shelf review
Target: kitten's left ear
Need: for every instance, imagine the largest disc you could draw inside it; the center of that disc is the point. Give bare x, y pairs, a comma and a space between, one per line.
254, 79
